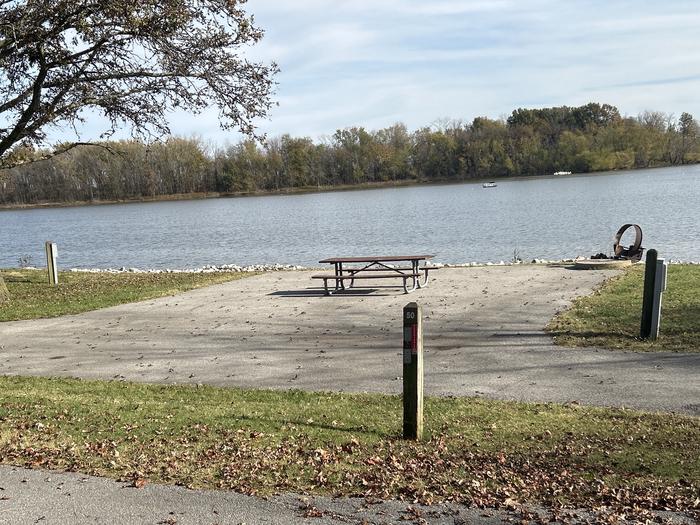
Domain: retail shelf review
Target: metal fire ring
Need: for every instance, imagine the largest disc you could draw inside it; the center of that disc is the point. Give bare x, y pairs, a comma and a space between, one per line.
635, 250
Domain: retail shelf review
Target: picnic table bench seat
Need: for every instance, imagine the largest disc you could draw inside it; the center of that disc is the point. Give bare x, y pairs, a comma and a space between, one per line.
354, 277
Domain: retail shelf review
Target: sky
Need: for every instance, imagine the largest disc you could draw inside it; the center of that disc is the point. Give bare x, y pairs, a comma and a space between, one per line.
373, 63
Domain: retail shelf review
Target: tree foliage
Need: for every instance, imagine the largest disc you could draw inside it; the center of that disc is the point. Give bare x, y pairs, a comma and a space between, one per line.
132, 62
530, 142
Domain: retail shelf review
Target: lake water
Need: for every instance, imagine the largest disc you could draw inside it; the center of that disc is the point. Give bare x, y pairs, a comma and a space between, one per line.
544, 218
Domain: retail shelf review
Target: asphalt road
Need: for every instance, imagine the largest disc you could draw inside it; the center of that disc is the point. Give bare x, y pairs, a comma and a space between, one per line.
31, 497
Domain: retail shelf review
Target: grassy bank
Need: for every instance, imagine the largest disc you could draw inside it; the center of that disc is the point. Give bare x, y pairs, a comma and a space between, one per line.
478, 452
611, 317
31, 297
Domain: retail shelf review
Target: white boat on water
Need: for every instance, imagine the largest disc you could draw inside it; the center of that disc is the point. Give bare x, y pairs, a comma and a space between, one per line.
489, 185
562, 173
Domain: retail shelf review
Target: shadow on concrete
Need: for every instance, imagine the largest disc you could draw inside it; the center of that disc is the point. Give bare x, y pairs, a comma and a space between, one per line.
315, 292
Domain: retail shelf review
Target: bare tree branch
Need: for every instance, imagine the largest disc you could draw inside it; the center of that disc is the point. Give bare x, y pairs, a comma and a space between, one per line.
131, 61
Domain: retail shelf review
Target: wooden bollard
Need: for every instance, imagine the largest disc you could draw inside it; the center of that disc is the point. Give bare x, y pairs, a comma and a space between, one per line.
51, 254
412, 372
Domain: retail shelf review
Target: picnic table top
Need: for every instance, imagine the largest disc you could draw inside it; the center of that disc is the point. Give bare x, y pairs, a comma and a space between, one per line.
379, 258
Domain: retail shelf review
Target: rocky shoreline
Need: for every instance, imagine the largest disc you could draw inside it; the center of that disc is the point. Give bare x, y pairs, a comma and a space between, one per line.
293, 267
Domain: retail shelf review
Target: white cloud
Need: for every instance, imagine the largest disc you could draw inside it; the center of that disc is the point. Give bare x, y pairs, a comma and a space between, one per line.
371, 63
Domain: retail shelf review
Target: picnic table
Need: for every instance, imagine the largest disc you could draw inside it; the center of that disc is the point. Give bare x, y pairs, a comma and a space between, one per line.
377, 267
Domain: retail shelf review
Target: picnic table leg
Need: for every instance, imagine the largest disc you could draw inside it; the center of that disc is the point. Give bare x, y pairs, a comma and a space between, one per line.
339, 273
425, 279
405, 286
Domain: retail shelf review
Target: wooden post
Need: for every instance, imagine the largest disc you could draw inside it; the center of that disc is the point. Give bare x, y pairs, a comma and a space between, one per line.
648, 298
412, 372
51, 254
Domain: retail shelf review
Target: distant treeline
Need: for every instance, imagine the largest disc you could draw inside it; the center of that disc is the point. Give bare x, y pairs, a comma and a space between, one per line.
589, 138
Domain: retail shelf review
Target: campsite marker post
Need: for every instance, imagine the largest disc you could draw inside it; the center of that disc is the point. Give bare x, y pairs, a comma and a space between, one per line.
412, 372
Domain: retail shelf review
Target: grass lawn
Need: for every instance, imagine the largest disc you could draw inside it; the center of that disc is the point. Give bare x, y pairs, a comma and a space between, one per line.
478, 452
611, 317
31, 297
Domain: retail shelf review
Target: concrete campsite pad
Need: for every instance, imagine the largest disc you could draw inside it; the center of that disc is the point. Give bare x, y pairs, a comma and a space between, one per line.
483, 331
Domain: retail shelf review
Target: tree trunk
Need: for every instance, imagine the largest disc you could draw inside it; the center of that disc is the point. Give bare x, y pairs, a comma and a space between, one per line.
4, 293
